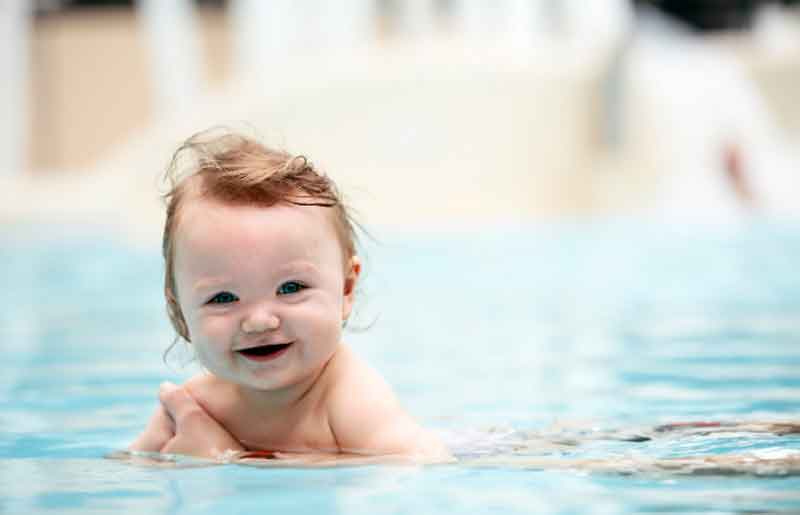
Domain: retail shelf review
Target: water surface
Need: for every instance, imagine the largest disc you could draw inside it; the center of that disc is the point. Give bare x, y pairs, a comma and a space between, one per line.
521, 344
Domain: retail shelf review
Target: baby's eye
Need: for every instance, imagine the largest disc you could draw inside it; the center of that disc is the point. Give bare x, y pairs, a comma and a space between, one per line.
223, 297
290, 287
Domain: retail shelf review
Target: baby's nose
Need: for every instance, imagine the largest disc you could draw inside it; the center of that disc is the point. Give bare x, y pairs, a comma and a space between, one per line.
260, 321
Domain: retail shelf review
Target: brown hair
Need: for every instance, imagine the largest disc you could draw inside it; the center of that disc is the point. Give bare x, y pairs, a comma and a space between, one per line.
235, 169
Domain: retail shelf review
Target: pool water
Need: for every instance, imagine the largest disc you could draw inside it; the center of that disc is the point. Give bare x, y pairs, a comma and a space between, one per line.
526, 347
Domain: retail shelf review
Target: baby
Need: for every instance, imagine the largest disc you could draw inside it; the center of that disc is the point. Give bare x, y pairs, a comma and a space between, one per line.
261, 274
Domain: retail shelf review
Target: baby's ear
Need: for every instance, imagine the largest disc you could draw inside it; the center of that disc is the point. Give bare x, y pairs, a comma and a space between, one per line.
352, 271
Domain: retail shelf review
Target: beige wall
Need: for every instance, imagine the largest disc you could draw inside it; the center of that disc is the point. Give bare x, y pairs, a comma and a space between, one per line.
90, 84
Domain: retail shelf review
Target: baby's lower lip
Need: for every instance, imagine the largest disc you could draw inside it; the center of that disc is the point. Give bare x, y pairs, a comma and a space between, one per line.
265, 352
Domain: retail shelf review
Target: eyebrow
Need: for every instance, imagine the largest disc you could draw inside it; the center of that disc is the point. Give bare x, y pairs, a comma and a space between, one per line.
299, 266
207, 284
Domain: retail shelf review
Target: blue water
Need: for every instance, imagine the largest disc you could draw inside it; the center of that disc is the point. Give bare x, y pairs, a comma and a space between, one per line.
508, 342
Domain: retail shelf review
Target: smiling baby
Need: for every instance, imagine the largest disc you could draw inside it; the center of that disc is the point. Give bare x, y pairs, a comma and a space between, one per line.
261, 274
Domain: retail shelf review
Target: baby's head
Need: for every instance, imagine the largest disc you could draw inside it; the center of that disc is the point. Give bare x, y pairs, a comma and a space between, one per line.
233, 170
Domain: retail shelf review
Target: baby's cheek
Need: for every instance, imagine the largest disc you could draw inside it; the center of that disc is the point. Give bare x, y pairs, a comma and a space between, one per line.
214, 332
326, 317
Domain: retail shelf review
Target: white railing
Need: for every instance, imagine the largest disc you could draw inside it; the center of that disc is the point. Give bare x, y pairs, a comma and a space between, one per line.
173, 45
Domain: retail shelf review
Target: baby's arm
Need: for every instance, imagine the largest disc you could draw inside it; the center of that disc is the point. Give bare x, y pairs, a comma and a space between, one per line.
159, 430
181, 426
385, 432
196, 433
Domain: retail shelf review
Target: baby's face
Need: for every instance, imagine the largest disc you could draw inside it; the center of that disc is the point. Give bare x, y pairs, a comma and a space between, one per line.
263, 291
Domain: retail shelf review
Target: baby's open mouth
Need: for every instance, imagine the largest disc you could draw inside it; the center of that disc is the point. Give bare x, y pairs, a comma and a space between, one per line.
263, 351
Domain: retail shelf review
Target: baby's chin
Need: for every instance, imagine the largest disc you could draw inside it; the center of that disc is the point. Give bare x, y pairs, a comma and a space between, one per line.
278, 382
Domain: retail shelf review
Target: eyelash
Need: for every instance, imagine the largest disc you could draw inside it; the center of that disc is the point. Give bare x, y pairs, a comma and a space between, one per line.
298, 287
223, 297
226, 297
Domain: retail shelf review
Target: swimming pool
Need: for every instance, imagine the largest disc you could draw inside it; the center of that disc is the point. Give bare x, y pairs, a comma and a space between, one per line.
550, 342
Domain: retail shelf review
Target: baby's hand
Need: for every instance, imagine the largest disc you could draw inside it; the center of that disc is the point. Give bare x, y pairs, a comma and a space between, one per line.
195, 432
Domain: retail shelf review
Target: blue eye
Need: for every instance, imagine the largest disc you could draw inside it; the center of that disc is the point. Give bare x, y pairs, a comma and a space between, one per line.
223, 297
290, 287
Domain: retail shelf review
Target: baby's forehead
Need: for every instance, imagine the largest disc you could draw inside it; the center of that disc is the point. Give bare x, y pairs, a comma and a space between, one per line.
200, 214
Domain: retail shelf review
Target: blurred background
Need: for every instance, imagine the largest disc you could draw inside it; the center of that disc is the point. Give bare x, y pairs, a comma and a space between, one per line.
585, 215
427, 112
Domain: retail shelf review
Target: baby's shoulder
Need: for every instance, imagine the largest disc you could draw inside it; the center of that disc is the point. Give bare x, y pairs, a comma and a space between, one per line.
365, 415
213, 395
350, 375
199, 383
357, 388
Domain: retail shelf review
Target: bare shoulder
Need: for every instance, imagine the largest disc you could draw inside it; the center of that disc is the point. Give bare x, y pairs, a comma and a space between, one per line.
212, 394
353, 376
365, 415
200, 384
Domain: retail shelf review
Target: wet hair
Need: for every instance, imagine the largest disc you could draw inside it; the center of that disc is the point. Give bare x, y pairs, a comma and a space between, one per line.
234, 169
